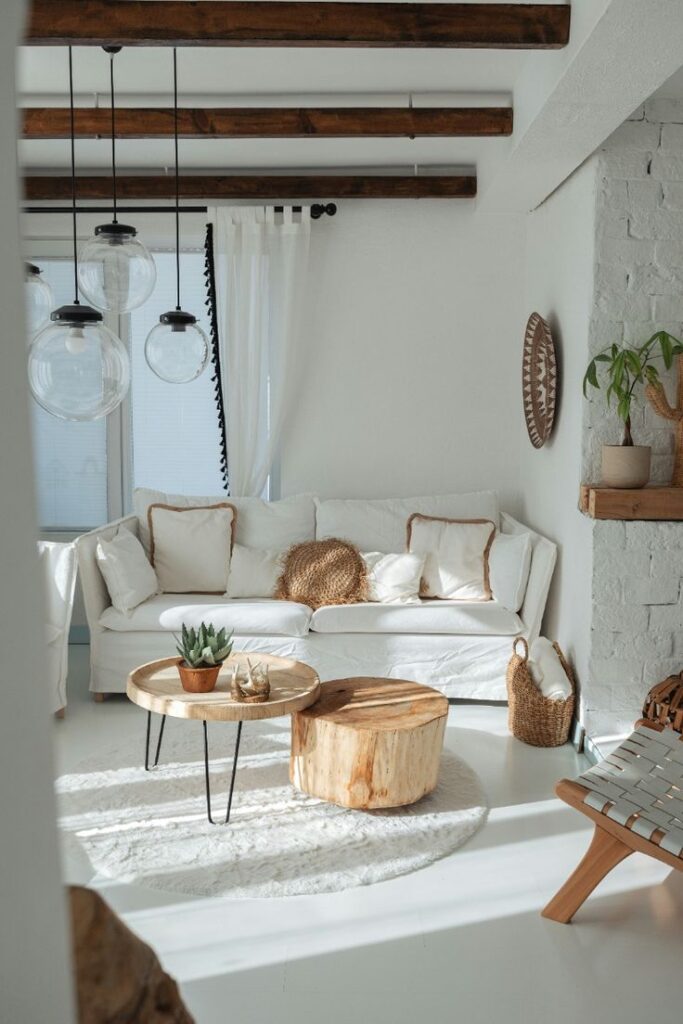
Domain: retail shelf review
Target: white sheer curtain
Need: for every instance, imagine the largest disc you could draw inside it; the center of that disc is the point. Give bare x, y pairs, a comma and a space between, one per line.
260, 264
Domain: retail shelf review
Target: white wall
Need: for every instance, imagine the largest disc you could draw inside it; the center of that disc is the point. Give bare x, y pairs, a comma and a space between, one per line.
409, 379
34, 944
559, 285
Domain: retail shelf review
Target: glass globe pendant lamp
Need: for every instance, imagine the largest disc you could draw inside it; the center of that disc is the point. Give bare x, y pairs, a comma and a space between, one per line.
177, 349
116, 272
39, 298
77, 368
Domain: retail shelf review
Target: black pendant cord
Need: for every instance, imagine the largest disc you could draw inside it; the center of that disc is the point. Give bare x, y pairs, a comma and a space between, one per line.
177, 180
73, 175
210, 276
113, 135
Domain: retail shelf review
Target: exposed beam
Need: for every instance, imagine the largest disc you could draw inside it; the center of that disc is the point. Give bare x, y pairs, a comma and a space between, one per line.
287, 23
269, 123
251, 186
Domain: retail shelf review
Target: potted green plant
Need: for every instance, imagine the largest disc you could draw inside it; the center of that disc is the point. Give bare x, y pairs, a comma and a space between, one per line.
202, 652
624, 372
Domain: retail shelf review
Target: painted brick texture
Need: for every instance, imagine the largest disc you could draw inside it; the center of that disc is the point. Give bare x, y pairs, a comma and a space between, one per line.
637, 632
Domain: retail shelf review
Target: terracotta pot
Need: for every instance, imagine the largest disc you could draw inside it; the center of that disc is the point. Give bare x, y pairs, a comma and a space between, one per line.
625, 465
198, 680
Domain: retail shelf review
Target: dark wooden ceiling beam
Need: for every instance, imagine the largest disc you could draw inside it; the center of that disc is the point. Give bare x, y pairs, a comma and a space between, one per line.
251, 186
270, 123
287, 23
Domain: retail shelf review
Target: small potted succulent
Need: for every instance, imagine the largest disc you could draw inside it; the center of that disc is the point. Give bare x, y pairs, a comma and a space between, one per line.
202, 652
626, 371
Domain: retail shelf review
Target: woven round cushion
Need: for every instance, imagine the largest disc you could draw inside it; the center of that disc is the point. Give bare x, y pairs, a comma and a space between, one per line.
322, 572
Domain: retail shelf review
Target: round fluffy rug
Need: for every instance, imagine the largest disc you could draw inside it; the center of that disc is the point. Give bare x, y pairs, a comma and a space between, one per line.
150, 828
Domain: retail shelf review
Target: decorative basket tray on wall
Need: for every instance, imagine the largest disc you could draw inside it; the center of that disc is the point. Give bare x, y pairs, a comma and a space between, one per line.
539, 380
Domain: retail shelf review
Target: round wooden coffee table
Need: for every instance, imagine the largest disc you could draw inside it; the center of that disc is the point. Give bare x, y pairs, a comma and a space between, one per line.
369, 743
156, 688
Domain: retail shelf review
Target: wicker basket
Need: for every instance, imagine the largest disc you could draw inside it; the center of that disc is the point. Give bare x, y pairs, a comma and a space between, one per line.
533, 718
663, 707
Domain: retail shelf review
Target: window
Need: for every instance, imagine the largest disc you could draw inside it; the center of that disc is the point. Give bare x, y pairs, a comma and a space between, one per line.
164, 436
174, 427
70, 458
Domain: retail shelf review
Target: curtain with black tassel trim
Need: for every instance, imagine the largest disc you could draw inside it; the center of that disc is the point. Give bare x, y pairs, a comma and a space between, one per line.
210, 278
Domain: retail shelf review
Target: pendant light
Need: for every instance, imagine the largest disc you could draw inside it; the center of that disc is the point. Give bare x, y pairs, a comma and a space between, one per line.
39, 299
77, 368
177, 349
116, 271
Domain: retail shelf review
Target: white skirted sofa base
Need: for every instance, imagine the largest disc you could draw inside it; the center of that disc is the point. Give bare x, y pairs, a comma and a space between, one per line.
460, 648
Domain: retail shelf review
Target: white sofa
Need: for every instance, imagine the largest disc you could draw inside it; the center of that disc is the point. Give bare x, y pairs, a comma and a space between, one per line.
460, 648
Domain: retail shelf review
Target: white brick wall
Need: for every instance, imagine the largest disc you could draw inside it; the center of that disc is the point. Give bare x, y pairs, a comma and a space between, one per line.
637, 630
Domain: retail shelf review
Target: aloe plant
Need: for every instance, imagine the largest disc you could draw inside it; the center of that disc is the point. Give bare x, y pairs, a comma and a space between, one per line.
204, 647
628, 369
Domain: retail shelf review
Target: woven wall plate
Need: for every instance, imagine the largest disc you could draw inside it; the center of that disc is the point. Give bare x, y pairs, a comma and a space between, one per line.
539, 380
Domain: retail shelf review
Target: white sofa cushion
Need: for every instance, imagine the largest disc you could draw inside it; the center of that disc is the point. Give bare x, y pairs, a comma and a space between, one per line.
449, 617
258, 617
509, 564
191, 547
393, 579
380, 525
254, 572
126, 569
260, 524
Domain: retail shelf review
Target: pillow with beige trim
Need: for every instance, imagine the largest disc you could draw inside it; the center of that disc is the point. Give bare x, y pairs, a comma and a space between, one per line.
190, 547
456, 554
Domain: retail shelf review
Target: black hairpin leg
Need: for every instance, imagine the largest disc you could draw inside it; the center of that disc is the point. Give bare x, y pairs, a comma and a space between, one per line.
232, 777
158, 750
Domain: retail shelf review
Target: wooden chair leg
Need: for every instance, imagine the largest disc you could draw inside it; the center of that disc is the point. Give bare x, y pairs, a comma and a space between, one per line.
60, 713
99, 698
603, 854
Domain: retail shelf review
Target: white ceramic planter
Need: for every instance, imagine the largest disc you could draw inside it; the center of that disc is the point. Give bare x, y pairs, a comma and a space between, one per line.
625, 466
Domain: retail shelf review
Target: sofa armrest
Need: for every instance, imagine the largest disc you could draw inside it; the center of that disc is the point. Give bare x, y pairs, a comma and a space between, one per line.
95, 593
543, 559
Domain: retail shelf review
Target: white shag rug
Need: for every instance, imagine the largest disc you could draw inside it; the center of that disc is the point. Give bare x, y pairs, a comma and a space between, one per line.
150, 828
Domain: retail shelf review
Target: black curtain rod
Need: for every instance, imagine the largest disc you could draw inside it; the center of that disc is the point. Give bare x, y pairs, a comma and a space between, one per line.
317, 209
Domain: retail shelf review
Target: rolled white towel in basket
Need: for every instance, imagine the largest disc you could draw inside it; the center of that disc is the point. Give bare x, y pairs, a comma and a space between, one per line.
547, 671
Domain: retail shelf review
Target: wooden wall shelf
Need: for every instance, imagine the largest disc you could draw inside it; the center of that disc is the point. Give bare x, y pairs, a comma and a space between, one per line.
663, 503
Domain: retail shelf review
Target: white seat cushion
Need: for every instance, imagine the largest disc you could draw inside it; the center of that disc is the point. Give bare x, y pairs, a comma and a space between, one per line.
380, 524
258, 617
450, 617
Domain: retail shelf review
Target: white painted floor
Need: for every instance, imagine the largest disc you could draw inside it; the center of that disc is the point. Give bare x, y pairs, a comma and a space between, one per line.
461, 941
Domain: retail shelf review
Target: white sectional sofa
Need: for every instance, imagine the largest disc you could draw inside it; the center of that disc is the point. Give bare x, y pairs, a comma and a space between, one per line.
460, 648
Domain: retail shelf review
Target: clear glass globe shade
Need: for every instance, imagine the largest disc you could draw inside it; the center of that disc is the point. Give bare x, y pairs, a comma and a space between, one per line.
78, 371
40, 301
116, 272
177, 353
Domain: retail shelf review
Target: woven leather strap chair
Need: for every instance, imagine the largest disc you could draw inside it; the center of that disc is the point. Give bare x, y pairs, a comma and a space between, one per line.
635, 799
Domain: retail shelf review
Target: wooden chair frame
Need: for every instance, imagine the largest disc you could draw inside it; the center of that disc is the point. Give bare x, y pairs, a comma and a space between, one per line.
611, 843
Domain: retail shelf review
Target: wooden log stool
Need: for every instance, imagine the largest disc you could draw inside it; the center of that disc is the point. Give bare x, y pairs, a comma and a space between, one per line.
369, 743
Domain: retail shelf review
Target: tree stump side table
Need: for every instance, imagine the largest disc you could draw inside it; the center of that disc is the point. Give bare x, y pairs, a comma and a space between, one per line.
369, 743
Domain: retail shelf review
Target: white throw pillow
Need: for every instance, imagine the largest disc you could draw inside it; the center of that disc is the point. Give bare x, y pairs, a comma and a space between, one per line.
191, 547
509, 565
393, 579
380, 523
254, 572
275, 525
547, 671
456, 556
129, 577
